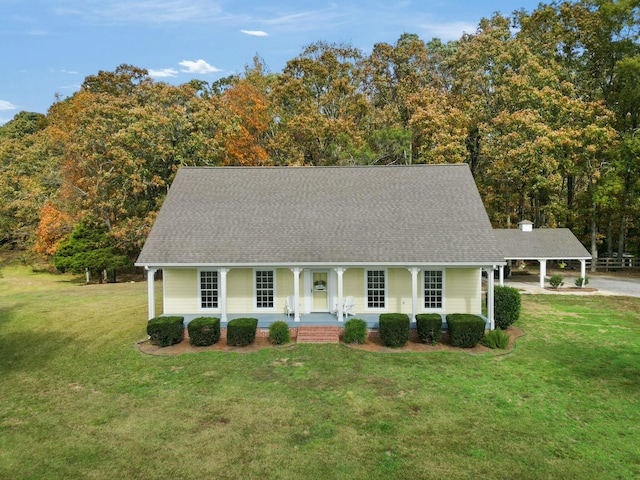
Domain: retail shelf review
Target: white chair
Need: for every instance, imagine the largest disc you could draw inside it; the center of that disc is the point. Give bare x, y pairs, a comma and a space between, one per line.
349, 303
289, 305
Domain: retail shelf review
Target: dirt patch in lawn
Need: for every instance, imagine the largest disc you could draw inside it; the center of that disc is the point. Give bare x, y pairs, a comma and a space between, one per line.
371, 345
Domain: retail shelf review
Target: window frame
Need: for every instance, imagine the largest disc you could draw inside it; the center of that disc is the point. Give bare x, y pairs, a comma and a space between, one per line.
385, 276
424, 296
201, 290
258, 308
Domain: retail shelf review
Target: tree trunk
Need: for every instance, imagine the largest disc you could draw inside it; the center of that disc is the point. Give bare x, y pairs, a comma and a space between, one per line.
594, 246
610, 238
622, 232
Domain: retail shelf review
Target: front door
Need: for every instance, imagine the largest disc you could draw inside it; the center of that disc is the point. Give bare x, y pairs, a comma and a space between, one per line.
320, 292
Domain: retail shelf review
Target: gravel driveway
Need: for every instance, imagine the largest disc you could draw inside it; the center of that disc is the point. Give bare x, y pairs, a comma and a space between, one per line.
605, 284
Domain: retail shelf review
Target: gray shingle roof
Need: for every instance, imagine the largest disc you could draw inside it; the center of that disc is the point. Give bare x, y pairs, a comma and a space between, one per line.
556, 243
335, 215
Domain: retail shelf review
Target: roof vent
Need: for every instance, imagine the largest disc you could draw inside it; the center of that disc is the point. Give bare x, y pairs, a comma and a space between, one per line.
525, 226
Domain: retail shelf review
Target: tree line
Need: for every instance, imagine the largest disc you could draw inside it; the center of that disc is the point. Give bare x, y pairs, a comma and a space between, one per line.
543, 106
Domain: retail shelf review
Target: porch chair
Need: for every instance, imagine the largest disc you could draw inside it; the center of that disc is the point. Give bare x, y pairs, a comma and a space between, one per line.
289, 305
349, 303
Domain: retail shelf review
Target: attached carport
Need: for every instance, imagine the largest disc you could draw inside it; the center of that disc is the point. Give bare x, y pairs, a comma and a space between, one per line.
541, 245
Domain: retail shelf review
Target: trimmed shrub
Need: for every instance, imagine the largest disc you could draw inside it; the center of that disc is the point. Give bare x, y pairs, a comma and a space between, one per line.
279, 333
204, 331
241, 331
582, 281
496, 339
507, 306
556, 281
165, 331
429, 327
465, 330
394, 329
355, 331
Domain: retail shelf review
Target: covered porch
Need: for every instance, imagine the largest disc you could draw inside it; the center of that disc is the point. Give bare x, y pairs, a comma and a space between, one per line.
318, 295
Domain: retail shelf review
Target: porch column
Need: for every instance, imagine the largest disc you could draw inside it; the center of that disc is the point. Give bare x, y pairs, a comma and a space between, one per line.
414, 292
543, 272
583, 271
490, 298
151, 294
296, 293
223, 294
501, 268
340, 272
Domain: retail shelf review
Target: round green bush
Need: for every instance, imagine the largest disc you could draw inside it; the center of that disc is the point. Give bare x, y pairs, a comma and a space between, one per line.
507, 306
556, 281
279, 333
204, 331
395, 329
429, 327
241, 331
355, 331
496, 339
165, 331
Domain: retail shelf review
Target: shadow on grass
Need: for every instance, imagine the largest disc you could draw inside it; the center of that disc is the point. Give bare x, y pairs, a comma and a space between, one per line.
29, 351
614, 366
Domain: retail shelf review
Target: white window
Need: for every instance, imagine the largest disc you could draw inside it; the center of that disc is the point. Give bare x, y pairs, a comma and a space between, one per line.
208, 289
265, 288
376, 289
433, 289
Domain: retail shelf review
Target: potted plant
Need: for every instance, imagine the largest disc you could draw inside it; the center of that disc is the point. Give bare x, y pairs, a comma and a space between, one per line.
320, 285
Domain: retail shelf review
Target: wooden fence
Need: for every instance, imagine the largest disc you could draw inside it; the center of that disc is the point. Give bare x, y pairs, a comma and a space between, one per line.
615, 263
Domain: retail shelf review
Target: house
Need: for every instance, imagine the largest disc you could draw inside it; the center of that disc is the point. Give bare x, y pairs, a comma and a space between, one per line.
541, 245
239, 241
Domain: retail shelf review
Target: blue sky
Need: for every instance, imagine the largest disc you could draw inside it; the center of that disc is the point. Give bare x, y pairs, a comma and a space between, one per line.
50, 46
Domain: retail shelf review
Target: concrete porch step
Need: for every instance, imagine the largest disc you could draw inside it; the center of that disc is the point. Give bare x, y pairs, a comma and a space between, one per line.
314, 334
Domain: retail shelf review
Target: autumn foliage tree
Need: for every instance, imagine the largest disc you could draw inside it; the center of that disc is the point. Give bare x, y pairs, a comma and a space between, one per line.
542, 105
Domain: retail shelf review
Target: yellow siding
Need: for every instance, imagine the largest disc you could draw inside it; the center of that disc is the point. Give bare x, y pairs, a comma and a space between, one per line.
353, 285
399, 291
462, 290
240, 290
180, 291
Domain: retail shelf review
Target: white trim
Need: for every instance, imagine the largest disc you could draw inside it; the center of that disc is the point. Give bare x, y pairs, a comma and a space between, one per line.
415, 285
255, 290
491, 299
442, 307
222, 293
151, 294
329, 290
296, 293
374, 265
386, 290
199, 280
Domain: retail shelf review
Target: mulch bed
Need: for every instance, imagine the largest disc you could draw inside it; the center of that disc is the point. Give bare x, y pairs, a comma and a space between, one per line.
371, 345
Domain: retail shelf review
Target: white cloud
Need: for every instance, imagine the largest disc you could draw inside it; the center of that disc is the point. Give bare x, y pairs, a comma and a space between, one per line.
199, 66
255, 33
147, 11
450, 30
4, 105
163, 73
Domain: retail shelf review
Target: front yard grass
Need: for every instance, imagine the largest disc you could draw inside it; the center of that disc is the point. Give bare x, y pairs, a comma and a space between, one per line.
77, 400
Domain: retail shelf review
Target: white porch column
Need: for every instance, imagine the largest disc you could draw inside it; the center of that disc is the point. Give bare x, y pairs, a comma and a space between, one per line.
490, 298
340, 272
414, 292
223, 295
583, 271
151, 294
543, 272
296, 293
501, 268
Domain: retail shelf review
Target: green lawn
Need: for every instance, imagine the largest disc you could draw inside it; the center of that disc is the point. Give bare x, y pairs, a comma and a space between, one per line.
77, 400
